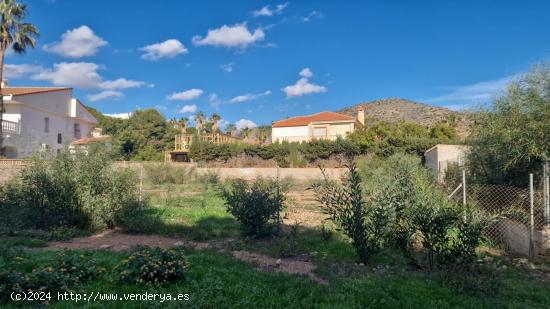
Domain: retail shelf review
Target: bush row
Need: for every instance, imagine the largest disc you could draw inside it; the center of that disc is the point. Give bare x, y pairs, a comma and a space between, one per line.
285, 154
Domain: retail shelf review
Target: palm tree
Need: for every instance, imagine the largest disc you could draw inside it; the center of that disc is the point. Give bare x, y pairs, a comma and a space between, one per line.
200, 119
173, 123
16, 34
215, 118
231, 129
182, 123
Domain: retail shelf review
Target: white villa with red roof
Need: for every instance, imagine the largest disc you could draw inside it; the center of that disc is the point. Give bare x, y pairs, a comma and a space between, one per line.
323, 125
42, 119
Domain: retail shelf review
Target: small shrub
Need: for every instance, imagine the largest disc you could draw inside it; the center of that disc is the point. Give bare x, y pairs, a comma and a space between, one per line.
154, 266
347, 208
68, 271
256, 205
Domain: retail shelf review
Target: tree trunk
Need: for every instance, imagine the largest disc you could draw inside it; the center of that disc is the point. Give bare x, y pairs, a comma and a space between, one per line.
2, 52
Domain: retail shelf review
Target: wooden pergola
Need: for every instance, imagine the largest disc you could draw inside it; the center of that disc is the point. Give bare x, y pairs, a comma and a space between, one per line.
183, 142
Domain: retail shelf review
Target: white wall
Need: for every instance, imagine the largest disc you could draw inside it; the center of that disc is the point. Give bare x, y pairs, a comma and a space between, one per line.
291, 134
437, 158
33, 109
304, 133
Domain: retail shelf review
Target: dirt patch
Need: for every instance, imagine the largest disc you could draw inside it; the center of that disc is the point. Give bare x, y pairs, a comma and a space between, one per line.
287, 265
117, 240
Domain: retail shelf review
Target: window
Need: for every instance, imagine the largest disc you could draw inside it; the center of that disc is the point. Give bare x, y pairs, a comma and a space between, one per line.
46, 124
77, 130
59, 138
317, 132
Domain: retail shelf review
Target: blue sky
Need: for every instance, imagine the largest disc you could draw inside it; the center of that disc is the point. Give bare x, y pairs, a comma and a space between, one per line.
255, 61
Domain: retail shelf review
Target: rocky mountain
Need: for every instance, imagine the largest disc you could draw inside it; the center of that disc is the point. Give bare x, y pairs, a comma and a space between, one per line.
395, 109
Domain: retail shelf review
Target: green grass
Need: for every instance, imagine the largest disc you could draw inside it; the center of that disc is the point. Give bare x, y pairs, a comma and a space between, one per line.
217, 280
17, 241
199, 217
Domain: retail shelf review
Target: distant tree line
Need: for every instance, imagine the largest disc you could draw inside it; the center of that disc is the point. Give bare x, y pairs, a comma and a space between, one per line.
146, 134
382, 139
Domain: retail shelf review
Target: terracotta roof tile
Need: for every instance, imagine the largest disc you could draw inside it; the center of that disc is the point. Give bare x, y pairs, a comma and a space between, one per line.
91, 140
305, 120
30, 90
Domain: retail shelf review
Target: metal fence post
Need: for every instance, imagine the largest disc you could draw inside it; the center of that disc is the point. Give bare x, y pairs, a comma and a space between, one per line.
140, 182
546, 192
532, 218
278, 195
464, 187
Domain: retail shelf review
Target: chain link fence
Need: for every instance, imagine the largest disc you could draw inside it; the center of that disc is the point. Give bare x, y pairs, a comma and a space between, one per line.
520, 216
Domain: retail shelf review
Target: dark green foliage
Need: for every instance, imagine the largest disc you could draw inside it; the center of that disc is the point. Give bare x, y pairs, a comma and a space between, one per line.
399, 206
144, 136
257, 205
511, 139
324, 149
285, 154
347, 208
204, 151
387, 138
153, 266
82, 191
68, 271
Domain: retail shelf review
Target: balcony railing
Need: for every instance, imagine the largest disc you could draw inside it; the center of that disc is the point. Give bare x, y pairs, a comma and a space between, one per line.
11, 127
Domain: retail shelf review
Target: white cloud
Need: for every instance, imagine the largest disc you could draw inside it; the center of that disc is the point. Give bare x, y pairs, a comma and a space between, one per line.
188, 109
237, 36
228, 67
82, 75
264, 11
268, 11
20, 70
120, 115
121, 83
245, 123
77, 74
303, 86
167, 49
186, 95
306, 72
248, 97
281, 7
105, 94
77, 43
466, 96
311, 15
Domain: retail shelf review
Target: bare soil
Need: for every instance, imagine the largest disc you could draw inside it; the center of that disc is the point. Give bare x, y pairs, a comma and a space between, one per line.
117, 240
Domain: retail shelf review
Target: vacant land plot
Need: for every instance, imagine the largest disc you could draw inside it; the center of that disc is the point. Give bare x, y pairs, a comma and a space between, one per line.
309, 264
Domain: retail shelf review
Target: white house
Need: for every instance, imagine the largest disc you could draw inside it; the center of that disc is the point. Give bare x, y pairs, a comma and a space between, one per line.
42, 119
323, 125
440, 156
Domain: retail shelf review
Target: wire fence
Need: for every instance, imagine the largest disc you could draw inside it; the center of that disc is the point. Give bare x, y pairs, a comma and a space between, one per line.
519, 216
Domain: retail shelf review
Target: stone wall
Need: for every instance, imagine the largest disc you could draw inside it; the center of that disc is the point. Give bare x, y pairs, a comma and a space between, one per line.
12, 168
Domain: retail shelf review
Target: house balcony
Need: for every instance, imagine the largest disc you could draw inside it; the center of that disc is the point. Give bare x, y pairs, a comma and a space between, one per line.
11, 127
